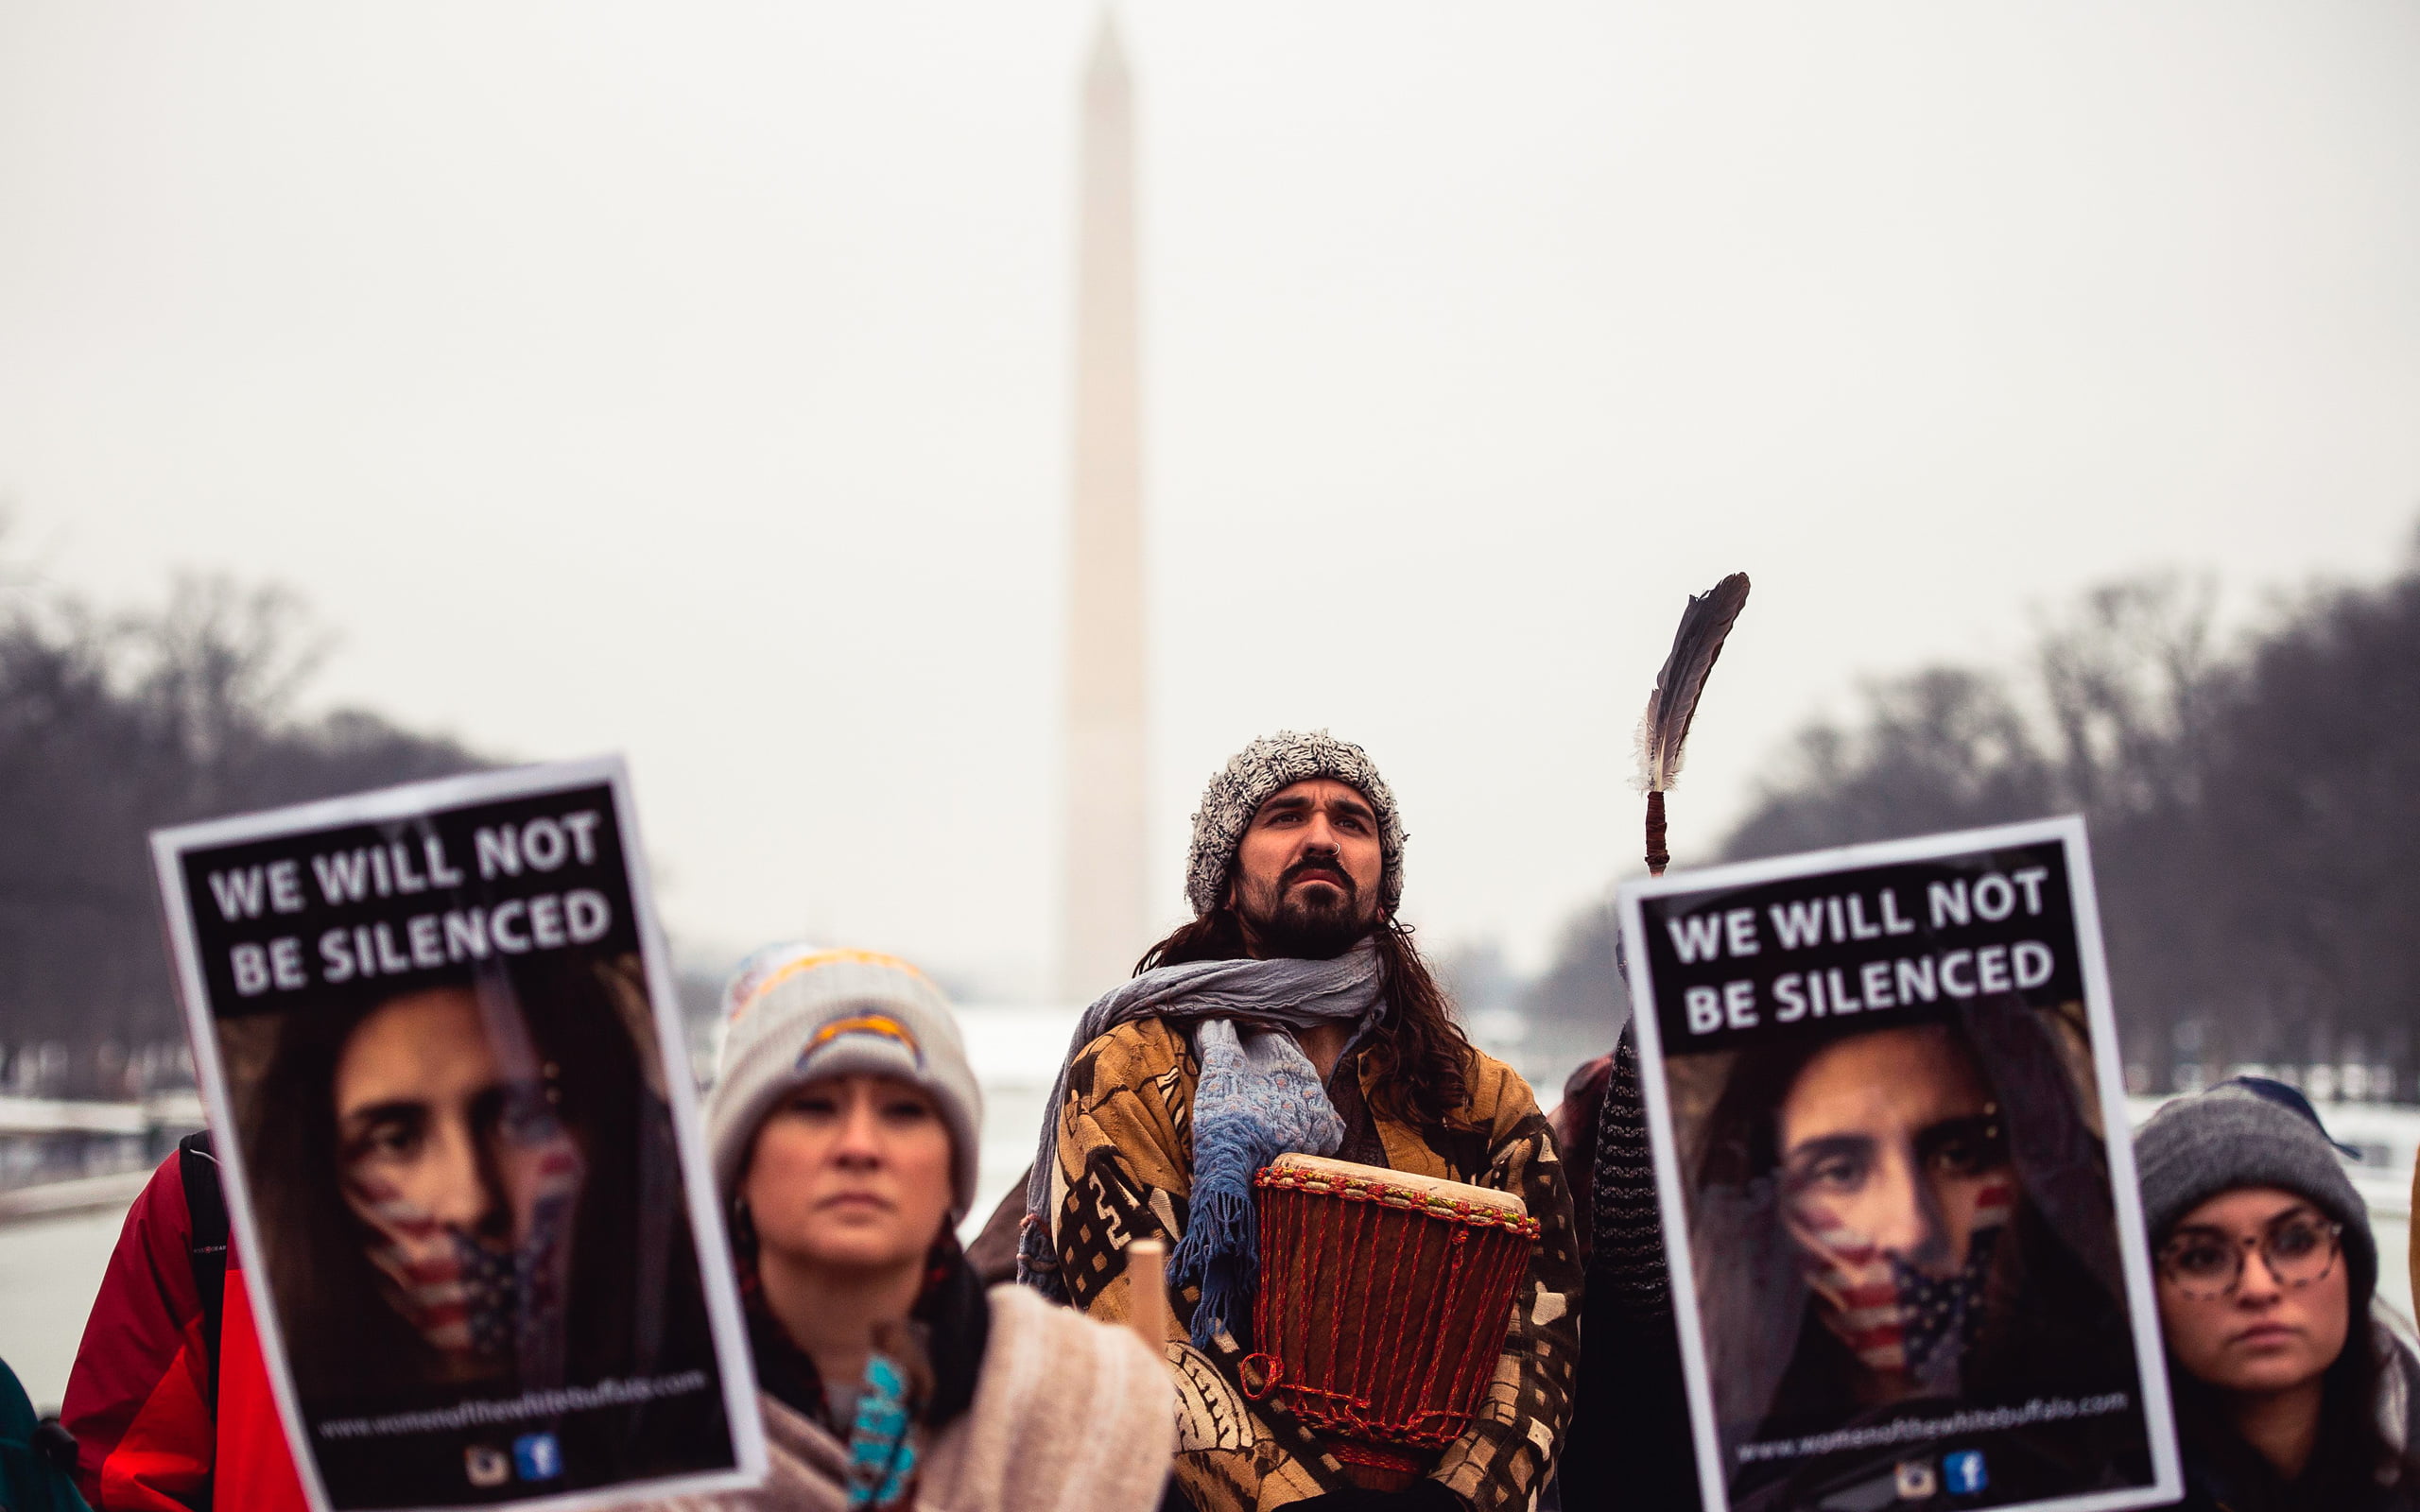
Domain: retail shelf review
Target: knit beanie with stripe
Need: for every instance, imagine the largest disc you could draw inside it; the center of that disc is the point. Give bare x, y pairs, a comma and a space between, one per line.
795, 1013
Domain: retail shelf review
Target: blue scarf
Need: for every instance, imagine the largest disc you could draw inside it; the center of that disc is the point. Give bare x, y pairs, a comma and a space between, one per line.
1258, 1097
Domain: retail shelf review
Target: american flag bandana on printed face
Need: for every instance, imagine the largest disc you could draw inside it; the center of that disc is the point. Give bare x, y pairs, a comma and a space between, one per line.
486, 1298
1895, 1315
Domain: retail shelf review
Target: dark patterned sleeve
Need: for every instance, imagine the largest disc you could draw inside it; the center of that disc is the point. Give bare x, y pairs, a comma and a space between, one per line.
1630, 1444
1626, 1261
1504, 1457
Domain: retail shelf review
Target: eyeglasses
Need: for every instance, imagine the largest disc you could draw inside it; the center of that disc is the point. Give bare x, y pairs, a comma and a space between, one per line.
2298, 1248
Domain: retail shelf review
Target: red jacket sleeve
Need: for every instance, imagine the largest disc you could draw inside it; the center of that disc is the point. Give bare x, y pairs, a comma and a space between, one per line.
255, 1467
138, 1396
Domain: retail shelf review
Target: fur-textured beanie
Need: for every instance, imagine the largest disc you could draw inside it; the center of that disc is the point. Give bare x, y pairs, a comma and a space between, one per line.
796, 1013
2250, 1133
1260, 769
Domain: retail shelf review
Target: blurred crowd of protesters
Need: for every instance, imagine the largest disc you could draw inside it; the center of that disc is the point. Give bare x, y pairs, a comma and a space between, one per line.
843, 1125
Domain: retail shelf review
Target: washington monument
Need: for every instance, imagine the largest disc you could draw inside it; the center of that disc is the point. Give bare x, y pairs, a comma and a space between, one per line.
1104, 907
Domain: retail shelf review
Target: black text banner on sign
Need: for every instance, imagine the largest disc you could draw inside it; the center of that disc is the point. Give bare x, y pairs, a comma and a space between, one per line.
1895, 1180
366, 907
1914, 940
449, 1087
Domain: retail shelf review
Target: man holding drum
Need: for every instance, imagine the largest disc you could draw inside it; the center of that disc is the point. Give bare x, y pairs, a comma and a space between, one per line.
1369, 1361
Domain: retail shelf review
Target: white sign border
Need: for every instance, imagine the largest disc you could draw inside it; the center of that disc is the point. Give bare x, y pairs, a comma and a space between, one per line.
2135, 1250
734, 1361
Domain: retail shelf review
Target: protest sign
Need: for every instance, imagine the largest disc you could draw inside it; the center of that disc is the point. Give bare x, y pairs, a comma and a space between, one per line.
436, 1033
1898, 1195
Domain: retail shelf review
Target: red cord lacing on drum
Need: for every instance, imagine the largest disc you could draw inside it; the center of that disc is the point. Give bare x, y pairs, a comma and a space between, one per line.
1380, 1316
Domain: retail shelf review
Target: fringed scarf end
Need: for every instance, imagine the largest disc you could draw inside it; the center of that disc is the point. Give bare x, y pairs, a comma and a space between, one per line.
1220, 1254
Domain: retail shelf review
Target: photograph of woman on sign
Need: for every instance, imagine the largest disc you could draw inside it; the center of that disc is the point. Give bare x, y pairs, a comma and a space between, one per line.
468, 1188
1899, 1222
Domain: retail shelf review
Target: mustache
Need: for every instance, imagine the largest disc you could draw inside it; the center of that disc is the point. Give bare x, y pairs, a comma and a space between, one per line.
1323, 868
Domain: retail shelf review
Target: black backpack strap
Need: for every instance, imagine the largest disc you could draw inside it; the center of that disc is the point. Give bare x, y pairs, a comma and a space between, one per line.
206, 1243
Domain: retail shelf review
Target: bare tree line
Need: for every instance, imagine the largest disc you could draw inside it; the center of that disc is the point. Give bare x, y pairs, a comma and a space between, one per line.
2255, 813
112, 725
2255, 817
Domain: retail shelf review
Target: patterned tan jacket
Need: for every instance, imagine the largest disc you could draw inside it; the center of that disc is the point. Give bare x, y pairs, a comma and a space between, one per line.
1125, 1172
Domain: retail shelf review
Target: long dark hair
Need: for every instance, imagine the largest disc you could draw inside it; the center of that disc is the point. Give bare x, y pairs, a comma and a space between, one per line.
634, 1274
1420, 1057
2065, 1322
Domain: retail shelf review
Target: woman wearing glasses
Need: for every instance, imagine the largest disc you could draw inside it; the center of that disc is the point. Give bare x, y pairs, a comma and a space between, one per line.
2289, 1396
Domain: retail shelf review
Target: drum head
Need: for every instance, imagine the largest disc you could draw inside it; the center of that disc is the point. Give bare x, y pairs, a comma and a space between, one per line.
1425, 1189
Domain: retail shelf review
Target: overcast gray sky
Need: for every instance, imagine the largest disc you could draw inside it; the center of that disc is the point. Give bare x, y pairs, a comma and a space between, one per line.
692, 382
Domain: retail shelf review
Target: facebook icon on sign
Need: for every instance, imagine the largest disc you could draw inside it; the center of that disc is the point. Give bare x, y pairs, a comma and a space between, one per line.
537, 1457
1962, 1472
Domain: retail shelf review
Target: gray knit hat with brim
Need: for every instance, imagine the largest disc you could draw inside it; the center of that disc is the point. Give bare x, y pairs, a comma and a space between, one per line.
2232, 1136
796, 1013
1260, 770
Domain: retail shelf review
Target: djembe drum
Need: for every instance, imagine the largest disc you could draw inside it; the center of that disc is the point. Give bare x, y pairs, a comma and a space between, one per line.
1384, 1300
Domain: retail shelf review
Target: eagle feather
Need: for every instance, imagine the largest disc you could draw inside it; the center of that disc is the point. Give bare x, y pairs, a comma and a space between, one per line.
1674, 703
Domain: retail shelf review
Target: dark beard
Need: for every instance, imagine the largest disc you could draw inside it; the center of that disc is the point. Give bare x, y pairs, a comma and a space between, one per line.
1300, 930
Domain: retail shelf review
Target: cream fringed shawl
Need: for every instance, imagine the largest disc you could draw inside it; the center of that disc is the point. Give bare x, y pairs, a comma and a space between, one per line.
1067, 1414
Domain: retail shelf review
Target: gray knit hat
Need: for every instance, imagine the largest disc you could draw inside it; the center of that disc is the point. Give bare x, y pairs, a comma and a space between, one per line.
796, 1013
1263, 768
2243, 1134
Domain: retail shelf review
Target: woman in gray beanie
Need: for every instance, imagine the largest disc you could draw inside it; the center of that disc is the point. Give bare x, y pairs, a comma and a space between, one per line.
844, 1124
2289, 1395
